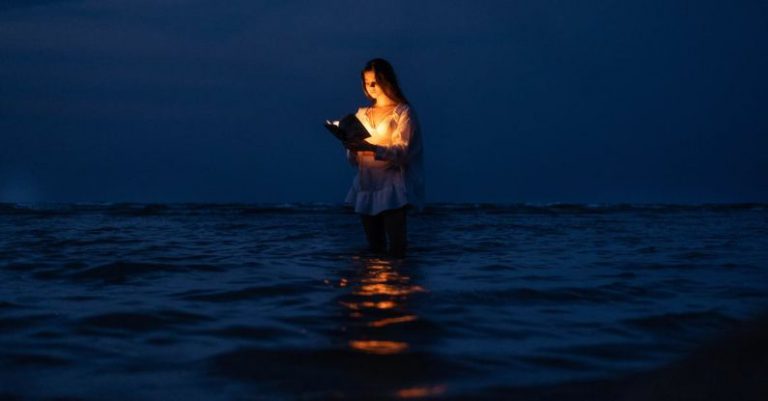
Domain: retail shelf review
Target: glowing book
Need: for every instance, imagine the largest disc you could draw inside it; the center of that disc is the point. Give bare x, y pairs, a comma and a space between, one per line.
348, 129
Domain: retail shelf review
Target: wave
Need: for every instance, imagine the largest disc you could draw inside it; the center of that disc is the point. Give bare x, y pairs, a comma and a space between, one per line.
614, 292
139, 321
348, 372
672, 323
118, 272
33, 360
245, 293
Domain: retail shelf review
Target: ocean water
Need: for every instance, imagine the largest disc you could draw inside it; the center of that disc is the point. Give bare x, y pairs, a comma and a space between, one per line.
251, 302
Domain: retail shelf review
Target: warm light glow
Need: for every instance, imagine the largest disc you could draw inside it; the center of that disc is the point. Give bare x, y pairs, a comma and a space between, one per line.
419, 392
351, 305
385, 305
379, 299
394, 320
383, 277
385, 289
370, 305
379, 347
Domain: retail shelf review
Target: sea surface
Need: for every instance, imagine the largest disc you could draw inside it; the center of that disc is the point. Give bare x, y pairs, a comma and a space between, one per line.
249, 302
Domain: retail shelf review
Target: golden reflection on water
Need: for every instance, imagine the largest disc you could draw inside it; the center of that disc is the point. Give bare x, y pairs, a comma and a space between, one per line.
385, 289
420, 392
392, 320
370, 305
379, 297
380, 323
379, 347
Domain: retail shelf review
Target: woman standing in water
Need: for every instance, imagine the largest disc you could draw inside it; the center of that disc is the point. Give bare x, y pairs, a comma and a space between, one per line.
390, 177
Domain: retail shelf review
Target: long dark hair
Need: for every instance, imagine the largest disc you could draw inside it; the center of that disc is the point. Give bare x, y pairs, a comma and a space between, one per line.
385, 79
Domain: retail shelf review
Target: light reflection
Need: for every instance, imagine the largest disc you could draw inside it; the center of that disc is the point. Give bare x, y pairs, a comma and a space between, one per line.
389, 341
379, 295
420, 392
383, 304
370, 305
379, 347
392, 320
386, 289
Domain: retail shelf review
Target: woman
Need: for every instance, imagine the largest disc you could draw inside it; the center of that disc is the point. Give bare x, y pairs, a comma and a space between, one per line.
390, 176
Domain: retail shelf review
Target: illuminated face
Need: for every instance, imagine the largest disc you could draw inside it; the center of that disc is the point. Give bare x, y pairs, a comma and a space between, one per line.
371, 86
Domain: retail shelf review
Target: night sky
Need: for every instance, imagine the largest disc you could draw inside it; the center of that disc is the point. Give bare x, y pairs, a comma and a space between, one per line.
532, 101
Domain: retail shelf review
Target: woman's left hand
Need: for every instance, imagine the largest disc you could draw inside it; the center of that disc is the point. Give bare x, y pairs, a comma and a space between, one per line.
360, 146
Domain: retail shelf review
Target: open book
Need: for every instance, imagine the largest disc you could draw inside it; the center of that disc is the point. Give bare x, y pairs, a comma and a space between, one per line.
348, 129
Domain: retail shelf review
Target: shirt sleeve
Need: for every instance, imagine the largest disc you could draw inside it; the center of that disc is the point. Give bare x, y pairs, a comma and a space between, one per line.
404, 144
351, 157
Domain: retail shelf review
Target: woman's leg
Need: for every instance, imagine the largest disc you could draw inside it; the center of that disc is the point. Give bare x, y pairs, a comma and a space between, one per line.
374, 232
395, 226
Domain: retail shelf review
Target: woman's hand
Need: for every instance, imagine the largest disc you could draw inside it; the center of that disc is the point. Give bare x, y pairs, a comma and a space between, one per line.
357, 146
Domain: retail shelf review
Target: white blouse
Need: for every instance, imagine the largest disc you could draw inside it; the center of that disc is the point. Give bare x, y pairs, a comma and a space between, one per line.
393, 175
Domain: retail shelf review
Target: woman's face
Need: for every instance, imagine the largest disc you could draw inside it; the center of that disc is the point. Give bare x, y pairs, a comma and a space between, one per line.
371, 86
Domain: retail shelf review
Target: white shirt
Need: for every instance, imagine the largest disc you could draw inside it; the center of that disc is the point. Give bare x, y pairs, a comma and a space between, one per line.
393, 176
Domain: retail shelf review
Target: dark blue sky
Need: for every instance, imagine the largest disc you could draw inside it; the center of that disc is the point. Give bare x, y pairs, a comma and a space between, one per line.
519, 101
